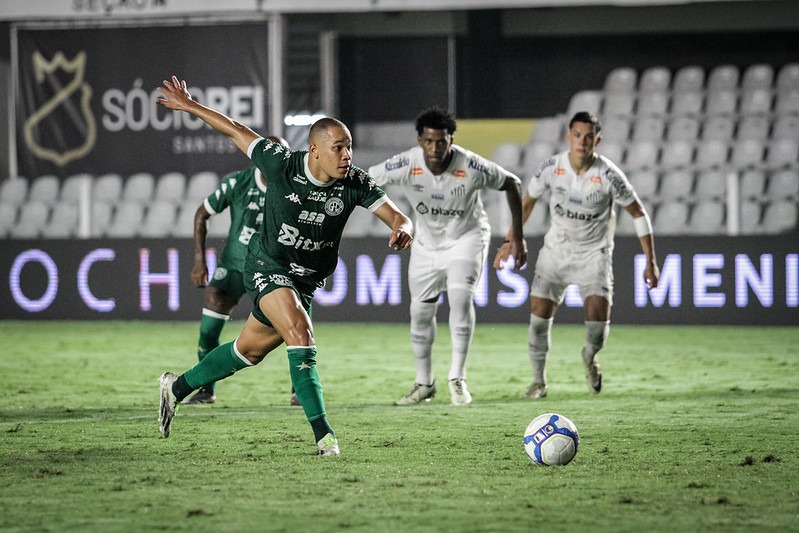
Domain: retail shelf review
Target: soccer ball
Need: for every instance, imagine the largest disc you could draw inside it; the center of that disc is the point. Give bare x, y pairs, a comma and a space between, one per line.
551, 440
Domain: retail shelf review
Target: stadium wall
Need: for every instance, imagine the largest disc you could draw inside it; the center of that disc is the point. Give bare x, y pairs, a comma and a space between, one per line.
705, 280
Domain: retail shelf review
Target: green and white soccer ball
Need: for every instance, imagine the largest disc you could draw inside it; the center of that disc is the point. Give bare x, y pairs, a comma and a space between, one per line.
551, 440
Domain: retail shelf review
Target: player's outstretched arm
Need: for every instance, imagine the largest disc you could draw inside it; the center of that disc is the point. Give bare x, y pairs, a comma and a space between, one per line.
401, 226
643, 228
176, 96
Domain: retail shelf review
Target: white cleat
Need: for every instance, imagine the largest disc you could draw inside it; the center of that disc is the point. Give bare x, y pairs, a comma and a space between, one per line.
536, 391
418, 393
459, 392
327, 446
169, 403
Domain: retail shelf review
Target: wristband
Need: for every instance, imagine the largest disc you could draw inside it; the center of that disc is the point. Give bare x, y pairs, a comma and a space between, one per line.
643, 226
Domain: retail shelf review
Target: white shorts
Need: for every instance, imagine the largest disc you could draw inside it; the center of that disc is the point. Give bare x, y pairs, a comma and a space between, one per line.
557, 268
431, 272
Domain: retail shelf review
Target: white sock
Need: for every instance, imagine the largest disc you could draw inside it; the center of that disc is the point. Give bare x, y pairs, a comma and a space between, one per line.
539, 336
461, 325
423, 333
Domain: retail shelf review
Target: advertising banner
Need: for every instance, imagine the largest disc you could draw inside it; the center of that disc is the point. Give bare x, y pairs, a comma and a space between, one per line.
85, 97
710, 280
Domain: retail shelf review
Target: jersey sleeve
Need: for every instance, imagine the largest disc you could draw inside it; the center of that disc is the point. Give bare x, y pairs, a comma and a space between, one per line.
620, 186
392, 171
539, 183
372, 195
268, 156
222, 197
489, 175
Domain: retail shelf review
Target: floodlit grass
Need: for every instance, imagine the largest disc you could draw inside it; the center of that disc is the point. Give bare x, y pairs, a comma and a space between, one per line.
696, 430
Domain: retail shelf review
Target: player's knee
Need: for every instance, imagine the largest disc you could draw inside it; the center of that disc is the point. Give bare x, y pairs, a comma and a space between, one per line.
596, 333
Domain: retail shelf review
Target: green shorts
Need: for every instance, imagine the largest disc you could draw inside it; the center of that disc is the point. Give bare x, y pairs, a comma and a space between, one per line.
259, 284
229, 281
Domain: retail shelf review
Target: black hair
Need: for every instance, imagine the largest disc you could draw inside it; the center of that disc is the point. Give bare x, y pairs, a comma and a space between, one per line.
436, 118
588, 118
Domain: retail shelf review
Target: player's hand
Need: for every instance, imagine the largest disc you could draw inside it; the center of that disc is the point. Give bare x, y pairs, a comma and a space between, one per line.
176, 95
400, 239
652, 275
199, 275
517, 249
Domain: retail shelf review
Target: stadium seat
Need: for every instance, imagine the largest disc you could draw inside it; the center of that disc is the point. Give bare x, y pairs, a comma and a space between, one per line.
753, 127
788, 77
219, 224
707, 218
649, 128
33, 216
8, 217
641, 155
721, 102
159, 220
533, 154
683, 128
711, 153
676, 185
107, 188
671, 218
655, 79
787, 102
786, 127
63, 222
200, 186
359, 222
645, 183
723, 78
14, 190
779, 216
73, 187
751, 211
548, 130
710, 185
756, 102
101, 214
653, 104
783, 185
126, 220
621, 79
618, 103
752, 185
45, 189
690, 78
687, 103
508, 155
624, 224
757, 76
613, 151
782, 153
138, 188
170, 187
616, 129
538, 222
747, 153
677, 154
718, 127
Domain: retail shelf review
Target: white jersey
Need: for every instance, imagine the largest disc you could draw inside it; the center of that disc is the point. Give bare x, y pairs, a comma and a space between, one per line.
447, 206
581, 208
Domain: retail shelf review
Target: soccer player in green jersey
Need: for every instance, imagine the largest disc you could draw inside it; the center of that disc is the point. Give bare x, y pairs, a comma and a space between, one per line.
242, 192
311, 195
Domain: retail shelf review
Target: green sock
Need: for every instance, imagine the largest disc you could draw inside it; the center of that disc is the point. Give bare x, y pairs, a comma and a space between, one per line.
219, 363
210, 330
305, 379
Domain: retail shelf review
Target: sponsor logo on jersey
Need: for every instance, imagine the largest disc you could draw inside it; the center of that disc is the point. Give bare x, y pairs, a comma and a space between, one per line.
290, 236
477, 164
246, 234
575, 200
259, 281
596, 180
334, 206
299, 270
573, 215
444, 212
311, 217
460, 190
616, 182
417, 171
397, 162
252, 206
594, 197
280, 279
293, 197
437, 196
220, 273
422, 209
253, 192
300, 179
460, 173
560, 171
316, 196
417, 187
545, 165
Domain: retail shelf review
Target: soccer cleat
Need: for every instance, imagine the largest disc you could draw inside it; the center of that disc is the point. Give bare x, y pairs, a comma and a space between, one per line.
536, 391
295, 400
200, 397
418, 393
327, 446
593, 375
169, 403
458, 391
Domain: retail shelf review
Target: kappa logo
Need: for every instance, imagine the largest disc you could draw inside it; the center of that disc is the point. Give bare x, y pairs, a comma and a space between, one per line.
293, 197
76, 88
299, 270
253, 206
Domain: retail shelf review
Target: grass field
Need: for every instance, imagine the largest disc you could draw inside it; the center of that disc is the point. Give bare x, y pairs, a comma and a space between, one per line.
695, 430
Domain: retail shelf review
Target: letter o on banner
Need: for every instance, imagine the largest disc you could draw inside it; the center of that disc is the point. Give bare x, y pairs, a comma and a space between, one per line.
28, 304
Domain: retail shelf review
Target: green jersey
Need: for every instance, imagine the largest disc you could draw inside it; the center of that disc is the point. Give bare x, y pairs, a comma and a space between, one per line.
243, 192
303, 217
